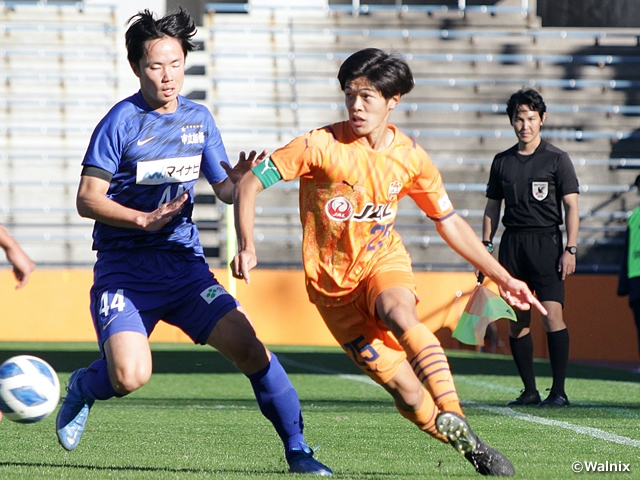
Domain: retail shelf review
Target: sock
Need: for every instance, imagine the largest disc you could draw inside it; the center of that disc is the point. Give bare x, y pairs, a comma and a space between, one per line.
430, 364
522, 352
425, 417
558, 343
279, 403
95, 383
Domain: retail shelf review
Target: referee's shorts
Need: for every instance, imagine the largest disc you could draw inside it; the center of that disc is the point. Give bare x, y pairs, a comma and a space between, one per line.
533, 256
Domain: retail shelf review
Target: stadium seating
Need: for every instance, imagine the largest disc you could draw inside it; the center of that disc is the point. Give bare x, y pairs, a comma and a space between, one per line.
273, 77
268, 74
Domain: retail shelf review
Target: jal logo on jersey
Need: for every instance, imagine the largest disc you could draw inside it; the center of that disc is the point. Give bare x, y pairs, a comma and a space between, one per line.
339, 209
540, 190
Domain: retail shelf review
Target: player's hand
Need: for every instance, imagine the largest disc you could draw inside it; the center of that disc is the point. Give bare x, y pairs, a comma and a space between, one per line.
22, 265
567, 264
242, 263
517, 294
244, 164
168, 211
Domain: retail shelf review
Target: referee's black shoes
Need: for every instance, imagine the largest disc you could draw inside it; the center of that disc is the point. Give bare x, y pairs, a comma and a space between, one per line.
555, 400
526, 398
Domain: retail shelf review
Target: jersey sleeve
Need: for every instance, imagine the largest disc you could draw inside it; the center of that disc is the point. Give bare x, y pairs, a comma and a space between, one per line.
428, 191
299, 156
567, 178
494, 187
107, 143
213, 153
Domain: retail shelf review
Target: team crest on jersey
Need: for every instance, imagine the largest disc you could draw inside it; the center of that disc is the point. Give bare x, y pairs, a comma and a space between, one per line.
339, 209
394, 188
192, 134
540, 190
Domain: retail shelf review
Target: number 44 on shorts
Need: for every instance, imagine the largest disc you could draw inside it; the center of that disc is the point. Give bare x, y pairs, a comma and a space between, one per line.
117, 302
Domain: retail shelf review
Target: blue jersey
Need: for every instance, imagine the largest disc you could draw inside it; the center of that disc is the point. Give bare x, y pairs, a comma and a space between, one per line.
154, 158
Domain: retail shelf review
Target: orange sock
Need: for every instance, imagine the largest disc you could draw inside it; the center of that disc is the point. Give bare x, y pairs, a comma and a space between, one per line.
430, 364
425, 417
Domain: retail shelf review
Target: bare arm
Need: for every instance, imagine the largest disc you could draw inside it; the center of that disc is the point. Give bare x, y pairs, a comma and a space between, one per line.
92, 202
22, 264
224, 189
491, 219
245, 194
461, 237
567, 264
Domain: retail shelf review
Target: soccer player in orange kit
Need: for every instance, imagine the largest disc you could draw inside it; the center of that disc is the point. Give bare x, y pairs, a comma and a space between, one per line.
358, 272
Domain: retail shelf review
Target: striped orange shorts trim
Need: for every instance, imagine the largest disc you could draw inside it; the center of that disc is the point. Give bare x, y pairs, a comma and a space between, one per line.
359, 331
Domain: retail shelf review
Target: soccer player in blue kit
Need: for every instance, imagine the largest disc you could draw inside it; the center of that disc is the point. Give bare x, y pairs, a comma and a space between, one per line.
137, 183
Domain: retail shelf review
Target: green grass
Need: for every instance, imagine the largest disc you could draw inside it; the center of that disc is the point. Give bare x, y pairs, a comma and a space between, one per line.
197, 418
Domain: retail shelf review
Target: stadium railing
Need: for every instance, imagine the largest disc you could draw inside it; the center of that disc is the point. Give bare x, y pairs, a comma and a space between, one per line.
563, 83
475, 58
596, 36
437, 106
362, 8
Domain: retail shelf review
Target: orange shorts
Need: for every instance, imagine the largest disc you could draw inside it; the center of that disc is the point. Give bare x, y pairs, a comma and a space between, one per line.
362, 334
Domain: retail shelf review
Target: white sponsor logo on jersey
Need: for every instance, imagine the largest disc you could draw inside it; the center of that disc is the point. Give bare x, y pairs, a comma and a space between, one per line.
444, 203
168, 170
339, 209
540, 190
145, 141
213, 292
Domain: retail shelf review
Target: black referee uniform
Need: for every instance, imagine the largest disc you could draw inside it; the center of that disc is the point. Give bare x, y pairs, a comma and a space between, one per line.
532, 187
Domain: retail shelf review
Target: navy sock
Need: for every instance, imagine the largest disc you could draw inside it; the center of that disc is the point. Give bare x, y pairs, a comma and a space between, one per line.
522, 351
95, 383
279, 403
558, 343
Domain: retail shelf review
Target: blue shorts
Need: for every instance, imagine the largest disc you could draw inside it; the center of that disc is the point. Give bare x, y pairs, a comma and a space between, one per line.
133, 290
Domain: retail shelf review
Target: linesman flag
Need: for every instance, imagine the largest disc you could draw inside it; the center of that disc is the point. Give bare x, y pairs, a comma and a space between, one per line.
483, 307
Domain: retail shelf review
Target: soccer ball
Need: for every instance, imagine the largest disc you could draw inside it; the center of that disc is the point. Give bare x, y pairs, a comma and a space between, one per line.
29, 389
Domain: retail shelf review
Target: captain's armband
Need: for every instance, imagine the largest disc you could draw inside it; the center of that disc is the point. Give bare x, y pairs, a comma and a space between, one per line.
267, 173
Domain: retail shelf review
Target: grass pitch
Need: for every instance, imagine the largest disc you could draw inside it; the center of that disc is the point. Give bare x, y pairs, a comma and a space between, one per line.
197, 418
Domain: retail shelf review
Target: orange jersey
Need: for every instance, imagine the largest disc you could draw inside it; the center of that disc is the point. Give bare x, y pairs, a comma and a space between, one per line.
348, 202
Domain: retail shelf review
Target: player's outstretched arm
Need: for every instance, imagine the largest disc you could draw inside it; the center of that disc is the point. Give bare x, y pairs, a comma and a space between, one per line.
461, 237
224, 189
244, 200
92, 202
22, 264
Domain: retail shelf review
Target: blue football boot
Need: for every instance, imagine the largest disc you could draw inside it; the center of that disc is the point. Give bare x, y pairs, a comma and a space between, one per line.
73, 414
301, 461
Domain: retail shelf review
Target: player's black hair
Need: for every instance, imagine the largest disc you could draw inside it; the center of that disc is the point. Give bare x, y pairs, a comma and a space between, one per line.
389, 73
144, 27
528, 97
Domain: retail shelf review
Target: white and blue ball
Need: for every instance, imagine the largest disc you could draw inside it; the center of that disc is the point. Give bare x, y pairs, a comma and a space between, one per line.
29, 389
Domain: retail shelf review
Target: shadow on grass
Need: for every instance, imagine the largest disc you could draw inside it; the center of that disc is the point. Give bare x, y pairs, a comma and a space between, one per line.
335, 362
95, 468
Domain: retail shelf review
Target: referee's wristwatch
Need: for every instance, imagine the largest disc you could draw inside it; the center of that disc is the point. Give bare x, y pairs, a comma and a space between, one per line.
488, 245
572, 250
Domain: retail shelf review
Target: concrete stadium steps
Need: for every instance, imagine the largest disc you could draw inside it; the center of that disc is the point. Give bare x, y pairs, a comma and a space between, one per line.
59, 76
60, 14
464, 74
